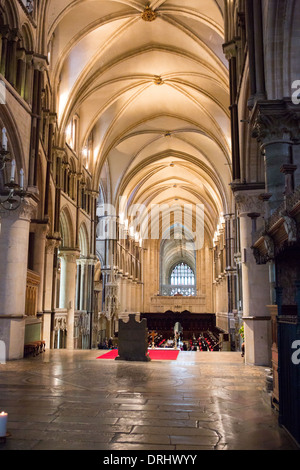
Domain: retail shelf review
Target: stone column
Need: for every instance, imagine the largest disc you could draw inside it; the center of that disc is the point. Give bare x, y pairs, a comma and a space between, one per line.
83, 280
40, 231
21, 71
40, 65
123, 295
12, 70
14, 239
251, 49
78, 293
259, 52
68, 289
275, 126
230, 51
4, 37
230, 270
255, 285
28, 77
52, 244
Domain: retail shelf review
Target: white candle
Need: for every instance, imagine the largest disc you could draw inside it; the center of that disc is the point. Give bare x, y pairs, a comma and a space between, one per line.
22, 179
4, 139
3, 424
13, 170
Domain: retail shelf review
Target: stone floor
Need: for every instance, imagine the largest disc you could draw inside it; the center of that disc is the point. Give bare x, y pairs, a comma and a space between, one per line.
64, 400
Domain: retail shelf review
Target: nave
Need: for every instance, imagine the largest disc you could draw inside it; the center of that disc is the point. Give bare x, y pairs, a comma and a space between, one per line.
150, 166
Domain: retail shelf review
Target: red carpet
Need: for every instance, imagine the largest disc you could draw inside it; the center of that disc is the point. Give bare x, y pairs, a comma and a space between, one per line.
155, 354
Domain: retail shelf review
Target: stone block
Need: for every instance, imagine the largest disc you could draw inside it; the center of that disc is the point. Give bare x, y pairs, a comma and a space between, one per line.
133, 340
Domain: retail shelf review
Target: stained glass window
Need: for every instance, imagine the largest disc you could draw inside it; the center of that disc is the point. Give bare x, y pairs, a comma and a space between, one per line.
182, 281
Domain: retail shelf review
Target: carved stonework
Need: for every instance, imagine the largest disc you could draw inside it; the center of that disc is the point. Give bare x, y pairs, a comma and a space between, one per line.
27, 210
40, 63
248, 203
52, 242
59, 153
263, 256
275, 121
60, 323
149, 14
158, 80
290, 226
269, 244
70, 256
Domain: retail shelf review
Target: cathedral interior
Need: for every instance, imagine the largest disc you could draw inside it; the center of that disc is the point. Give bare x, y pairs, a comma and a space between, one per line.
150, 166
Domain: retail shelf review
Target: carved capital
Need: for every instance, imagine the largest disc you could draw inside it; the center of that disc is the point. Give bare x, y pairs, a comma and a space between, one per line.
230, 49
249, 203
59, 152
70, 256
40, 63
274, 121
27, 210
52, 242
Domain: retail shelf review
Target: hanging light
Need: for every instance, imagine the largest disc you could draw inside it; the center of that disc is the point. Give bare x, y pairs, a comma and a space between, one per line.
12, 194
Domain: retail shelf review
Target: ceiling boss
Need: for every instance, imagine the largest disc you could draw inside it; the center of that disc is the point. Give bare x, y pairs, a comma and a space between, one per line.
149, 14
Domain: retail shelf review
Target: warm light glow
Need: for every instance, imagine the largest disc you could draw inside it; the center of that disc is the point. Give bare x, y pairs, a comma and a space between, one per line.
63, 99
96, 152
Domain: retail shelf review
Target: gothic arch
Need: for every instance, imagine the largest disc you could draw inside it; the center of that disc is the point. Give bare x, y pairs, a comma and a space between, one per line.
251, 163
10, 14
7, 120
27, 37
282, 39
67, 229
83, 240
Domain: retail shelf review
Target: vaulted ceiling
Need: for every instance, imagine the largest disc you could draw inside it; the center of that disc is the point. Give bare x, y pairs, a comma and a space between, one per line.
150, 83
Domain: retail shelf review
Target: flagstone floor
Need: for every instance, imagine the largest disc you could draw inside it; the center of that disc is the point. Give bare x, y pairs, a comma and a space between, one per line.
63, 400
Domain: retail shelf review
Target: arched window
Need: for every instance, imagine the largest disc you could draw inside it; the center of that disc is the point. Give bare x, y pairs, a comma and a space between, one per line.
182, 280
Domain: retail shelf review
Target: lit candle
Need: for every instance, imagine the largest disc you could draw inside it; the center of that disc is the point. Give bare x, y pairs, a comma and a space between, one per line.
22, 179
3, 424
4, 139
13, 170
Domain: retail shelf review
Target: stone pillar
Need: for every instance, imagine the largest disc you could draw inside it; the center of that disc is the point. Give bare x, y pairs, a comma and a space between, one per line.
12, 70
251, 49
78, 293
83, 280
68, 290
40, 65
52, 244
123, 296
14, 239
230, 50
28, 77
259, 52
255, 286
230, 270
4, 41
21, 71
275, 126
39, 258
